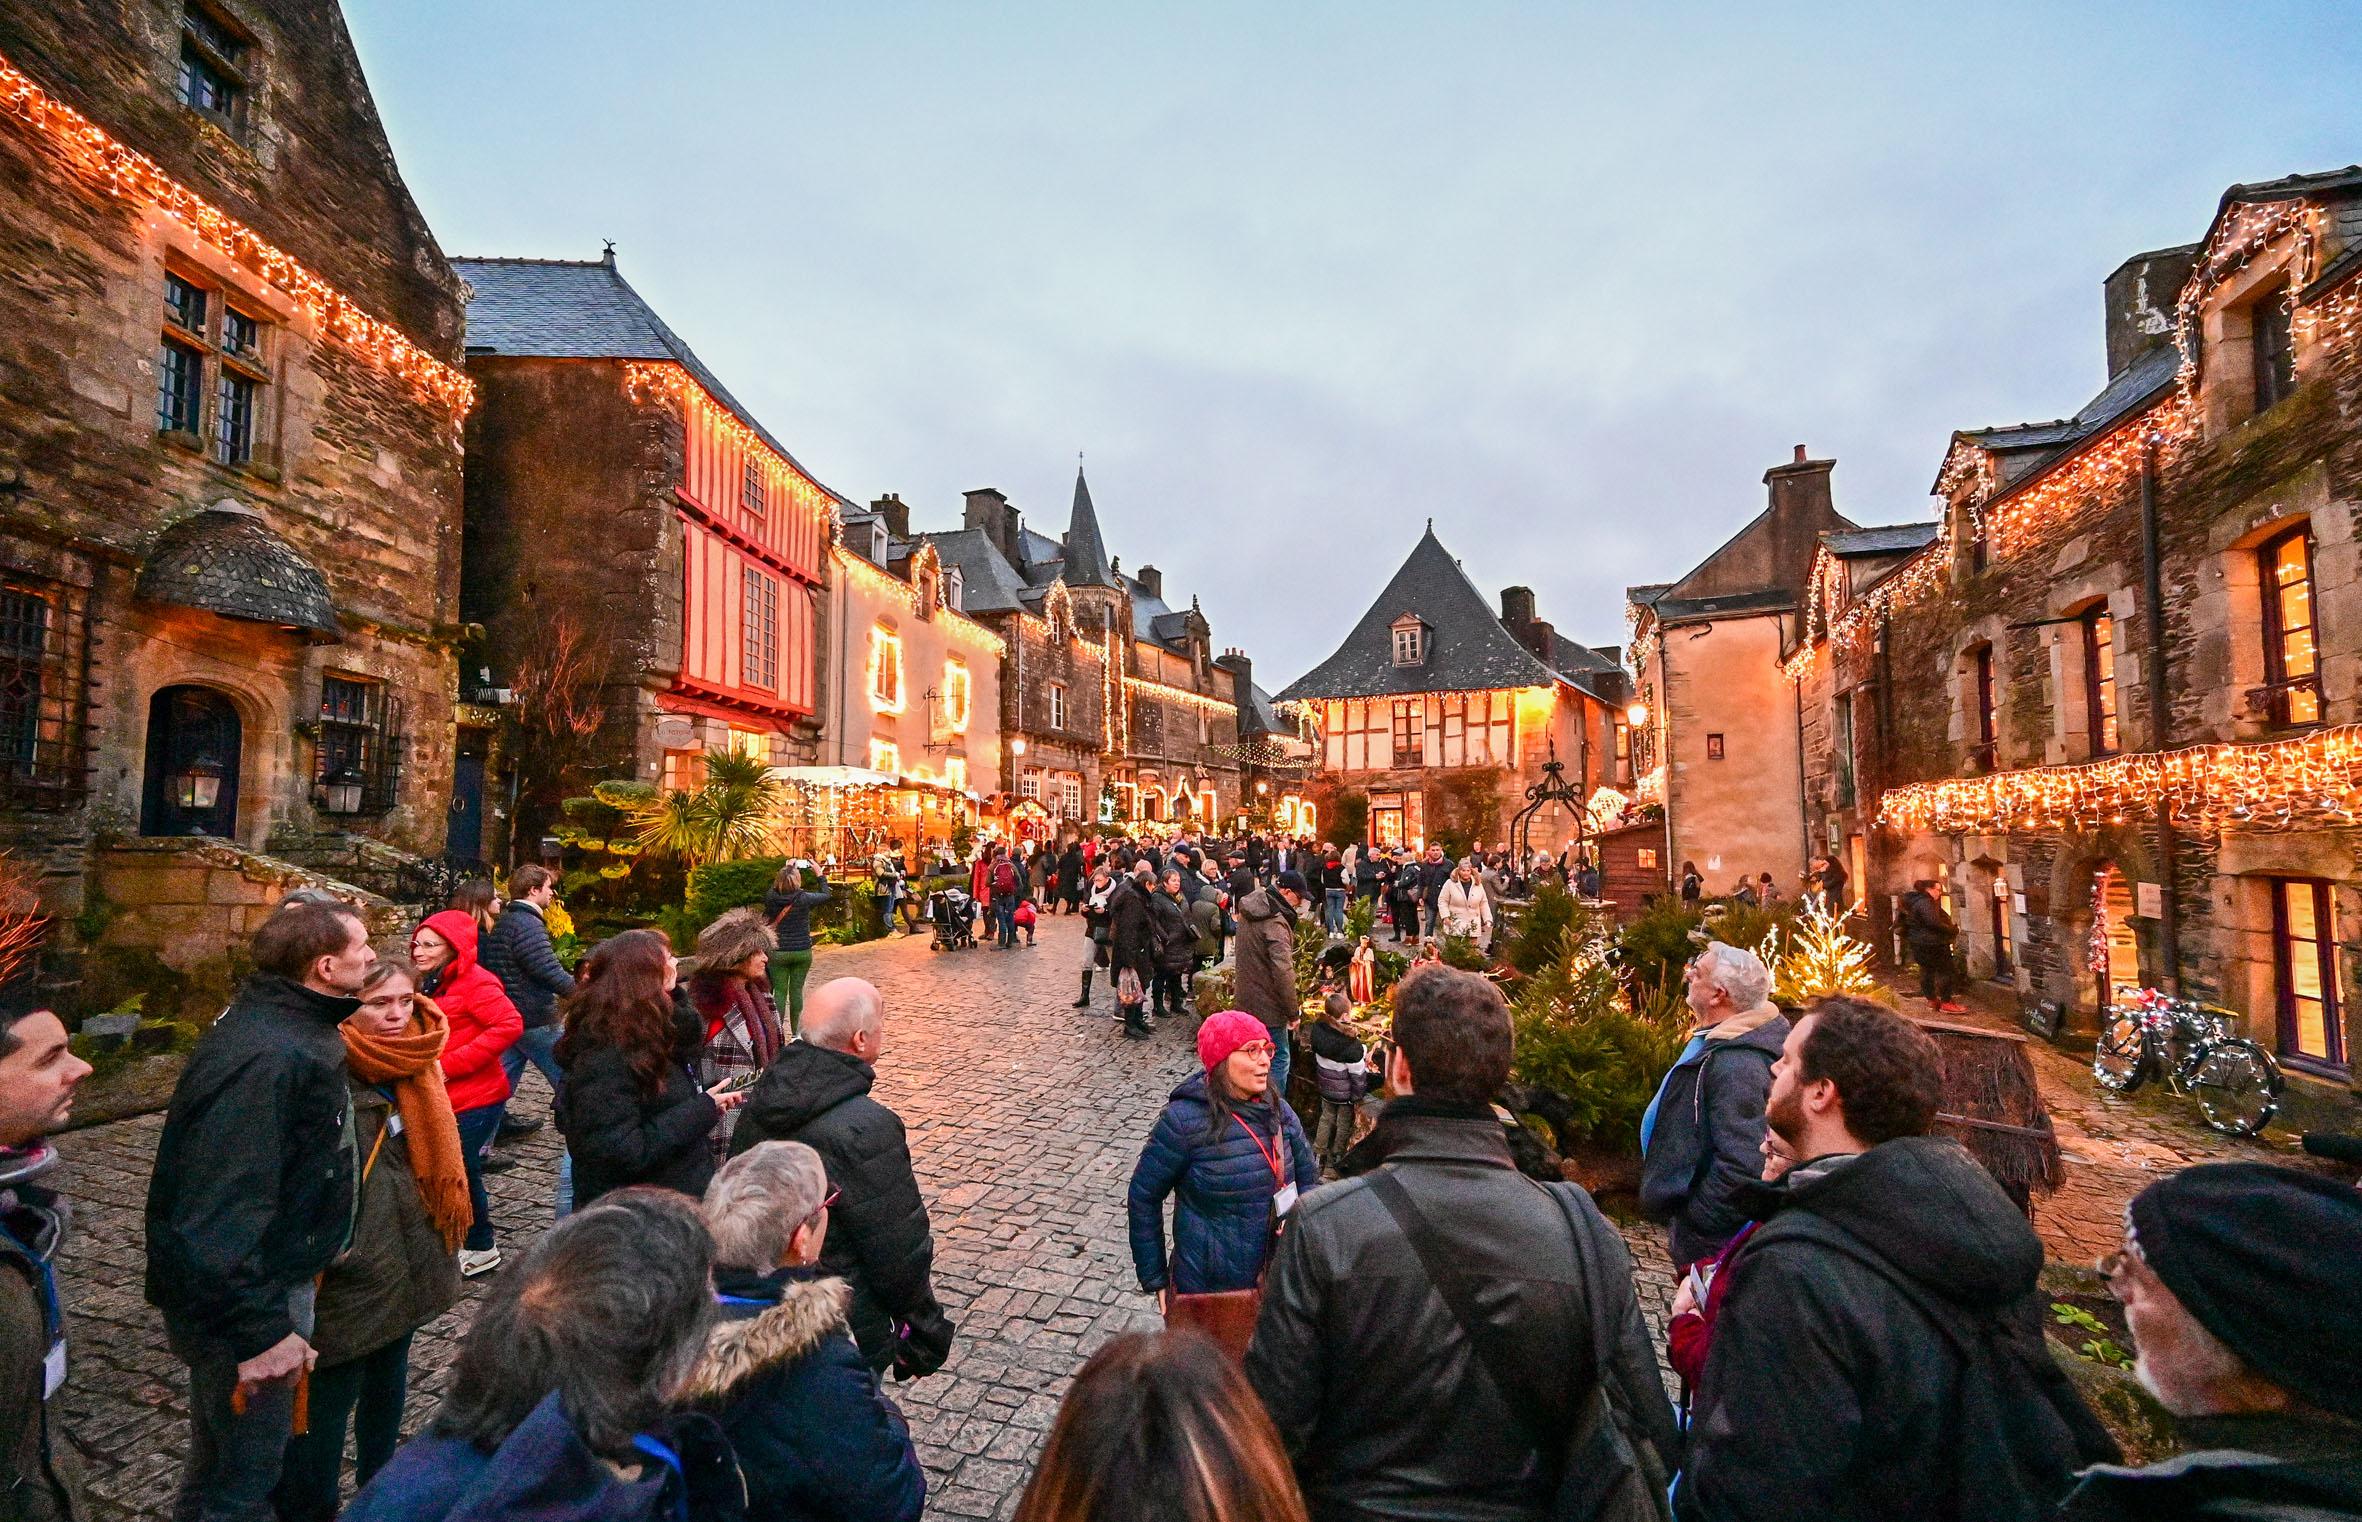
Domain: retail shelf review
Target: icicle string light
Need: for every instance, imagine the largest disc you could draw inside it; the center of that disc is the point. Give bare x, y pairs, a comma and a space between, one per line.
2305, 782
127, 174
891, 585
662, 380
1165, 692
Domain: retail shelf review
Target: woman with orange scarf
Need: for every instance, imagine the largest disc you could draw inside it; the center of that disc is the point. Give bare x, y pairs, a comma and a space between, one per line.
398, 1273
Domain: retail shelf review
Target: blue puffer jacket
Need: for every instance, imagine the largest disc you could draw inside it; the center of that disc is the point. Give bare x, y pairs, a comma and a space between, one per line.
816, 1438
1222, 1186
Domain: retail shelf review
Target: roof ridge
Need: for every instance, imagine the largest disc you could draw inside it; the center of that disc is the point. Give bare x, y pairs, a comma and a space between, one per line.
527, 259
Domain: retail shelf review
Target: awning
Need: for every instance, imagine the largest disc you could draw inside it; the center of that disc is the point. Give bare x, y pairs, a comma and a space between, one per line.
224, 559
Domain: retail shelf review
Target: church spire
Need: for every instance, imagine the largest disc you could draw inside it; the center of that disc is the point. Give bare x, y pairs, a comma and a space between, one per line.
1086, 551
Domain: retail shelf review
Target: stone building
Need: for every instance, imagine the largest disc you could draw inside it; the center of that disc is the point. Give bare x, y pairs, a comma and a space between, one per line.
1437, 713
2113, 705
913, 684
1114, 707
1719, 745
230, 410
629, 517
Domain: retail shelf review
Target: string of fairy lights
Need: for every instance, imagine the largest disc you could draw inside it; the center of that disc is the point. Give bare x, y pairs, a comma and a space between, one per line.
2307, 781
664, 381
127, 174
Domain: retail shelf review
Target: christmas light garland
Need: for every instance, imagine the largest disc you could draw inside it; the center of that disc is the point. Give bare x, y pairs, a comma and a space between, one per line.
2246, 234
1166, 692
2306, 782
130, 175
663, 380
891, 585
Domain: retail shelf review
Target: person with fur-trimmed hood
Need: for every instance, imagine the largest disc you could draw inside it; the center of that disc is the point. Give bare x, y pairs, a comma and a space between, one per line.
814, 1434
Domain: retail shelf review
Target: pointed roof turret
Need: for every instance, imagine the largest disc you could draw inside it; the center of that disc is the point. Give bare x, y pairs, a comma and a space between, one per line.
1086, 551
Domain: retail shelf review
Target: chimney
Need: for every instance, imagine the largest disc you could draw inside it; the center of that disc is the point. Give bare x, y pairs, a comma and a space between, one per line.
1517, 609
987, 509
1801, 510
1242, 675
1153, 579
1799, 454
2141, 296
895, 512
1542, 639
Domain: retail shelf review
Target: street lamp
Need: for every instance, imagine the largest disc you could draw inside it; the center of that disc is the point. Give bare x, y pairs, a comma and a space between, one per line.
1636, 714
1017, 746
340, 791
197, 786
1262, 789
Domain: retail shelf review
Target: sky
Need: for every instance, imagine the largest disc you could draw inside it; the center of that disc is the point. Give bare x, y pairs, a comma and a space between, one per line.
1295, 278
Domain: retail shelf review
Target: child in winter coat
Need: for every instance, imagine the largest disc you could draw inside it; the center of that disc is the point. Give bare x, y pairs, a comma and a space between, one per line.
1342, 1066
1023, 919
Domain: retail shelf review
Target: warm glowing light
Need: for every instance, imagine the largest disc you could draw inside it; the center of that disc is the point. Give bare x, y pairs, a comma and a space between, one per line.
885, 756
958, 692
1636, 714
132, 176
1017, 745
885, 670
2304, 782
665, 381
1183, 695
886, 583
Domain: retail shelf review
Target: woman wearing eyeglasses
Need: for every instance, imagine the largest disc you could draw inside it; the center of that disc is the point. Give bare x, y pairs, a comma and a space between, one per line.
814, 1435
1233, 1156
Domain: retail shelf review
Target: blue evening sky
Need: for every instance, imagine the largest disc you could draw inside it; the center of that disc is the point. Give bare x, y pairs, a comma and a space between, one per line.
1299, 275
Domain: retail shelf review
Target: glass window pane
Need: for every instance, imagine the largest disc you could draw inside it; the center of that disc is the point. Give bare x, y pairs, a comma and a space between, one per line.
2312, 1028
2298, 899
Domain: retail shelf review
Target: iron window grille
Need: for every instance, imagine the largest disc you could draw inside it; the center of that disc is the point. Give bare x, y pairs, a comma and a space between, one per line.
360, 736
44, 694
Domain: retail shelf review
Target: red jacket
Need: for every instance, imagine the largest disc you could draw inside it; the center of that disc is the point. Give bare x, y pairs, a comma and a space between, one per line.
484, 1023
1689, 1335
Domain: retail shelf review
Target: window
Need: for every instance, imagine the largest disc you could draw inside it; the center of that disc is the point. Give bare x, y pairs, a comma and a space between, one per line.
2304, 965
1057, 705
1623, 749
885, 756
752, 490
684, 770
1841, 749
1410, 734
2004, 939
954, 590
212, 74
1985, 753
958, 696
761, 619
201, 329
1205, 728
358, 744
1030, 785
43, 688
1714, 747
2272, 346
885, 670
1409, 642
2099, 680
2292, 668
955, 772
1070, 795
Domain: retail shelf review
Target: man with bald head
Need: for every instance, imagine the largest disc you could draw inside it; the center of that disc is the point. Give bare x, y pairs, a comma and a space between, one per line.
879, 1242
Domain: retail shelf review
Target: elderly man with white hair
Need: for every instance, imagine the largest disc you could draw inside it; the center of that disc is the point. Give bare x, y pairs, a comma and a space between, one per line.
1701, 1138
881, 1245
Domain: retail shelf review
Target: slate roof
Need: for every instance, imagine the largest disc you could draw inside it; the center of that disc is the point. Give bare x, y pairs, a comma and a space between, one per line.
1887, 539
584, 309
1262, 718
1086, 550
1677, 609
988, 583
2140, 383
1468, 651
224, 559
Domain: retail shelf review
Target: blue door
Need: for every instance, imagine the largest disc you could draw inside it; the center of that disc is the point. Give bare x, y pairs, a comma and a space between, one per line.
464, 836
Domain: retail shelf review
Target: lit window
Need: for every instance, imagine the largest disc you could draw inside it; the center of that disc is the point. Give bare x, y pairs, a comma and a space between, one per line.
885, 670
2292, 665
2099, 680
762, 631
684, 770
212, 73
1070, 795
2304, 965
2272, 346
885, 756
751, 488
958, 691
955, 772
1057, 705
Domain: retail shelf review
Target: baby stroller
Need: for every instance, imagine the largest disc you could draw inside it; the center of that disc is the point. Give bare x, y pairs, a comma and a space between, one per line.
954, 915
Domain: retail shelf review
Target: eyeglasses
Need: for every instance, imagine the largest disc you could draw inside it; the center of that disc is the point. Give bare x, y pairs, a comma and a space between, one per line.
1259, 1049
818, 1210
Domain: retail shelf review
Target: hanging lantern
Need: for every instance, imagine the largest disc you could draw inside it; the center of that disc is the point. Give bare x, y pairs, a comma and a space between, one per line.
340, 791
197, 786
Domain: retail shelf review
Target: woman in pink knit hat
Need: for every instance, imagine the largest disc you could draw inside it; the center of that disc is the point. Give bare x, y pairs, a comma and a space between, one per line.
1234, 1157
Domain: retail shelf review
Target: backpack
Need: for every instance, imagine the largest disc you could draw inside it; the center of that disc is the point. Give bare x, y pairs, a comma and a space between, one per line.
1004, 877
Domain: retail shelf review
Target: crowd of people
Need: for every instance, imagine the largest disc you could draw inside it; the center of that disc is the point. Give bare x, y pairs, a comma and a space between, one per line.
1406, 1326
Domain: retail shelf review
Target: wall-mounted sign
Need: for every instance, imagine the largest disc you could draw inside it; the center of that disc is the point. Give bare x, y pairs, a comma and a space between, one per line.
2148, 900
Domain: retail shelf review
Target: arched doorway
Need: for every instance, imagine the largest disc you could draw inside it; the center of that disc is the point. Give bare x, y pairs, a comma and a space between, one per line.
2115, 945
191, 783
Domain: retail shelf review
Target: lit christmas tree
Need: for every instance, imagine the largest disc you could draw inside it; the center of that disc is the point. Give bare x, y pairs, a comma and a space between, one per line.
1819, 959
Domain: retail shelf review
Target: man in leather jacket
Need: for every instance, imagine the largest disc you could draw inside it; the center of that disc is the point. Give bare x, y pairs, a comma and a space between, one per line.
38, 1075
1381, 1393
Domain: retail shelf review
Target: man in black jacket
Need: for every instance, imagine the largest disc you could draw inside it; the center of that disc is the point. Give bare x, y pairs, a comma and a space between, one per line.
817, 1093
1929, 932
1383, 1394
1701, 1138
519, 953
251, 1197
1880, 1350
38, 1075
1131, 942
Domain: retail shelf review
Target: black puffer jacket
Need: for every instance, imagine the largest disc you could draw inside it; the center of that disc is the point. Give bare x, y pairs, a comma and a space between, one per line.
1131, 928
1175, 938
879, 1241
1380, 1399
520, 954
620, 1134
252, 1192
1880, 1354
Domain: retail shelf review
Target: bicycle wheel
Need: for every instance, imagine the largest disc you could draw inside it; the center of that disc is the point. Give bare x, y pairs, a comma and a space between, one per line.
2120, 1061
2237, 1085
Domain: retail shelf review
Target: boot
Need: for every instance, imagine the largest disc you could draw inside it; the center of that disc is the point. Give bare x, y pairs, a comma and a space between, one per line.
1135, 1023
1085, 1001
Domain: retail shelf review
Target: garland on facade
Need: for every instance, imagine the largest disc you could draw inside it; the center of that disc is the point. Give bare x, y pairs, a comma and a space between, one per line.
2246, 233
891, 585
1166, 692
128, 174
663, 380
2302, 783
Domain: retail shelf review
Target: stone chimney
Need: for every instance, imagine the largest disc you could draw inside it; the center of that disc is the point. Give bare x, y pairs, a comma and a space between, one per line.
2141, 297
987, 509
895, 512
1242, 674
1153, 579
1517, 608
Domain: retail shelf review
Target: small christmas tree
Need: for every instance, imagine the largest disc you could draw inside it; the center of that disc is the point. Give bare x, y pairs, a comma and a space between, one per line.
1819, 959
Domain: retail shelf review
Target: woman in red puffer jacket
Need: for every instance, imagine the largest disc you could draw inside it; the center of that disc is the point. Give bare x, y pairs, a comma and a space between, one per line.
484, 1024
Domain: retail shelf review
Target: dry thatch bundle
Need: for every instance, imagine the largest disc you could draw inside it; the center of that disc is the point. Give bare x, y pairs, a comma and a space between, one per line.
1993, 1107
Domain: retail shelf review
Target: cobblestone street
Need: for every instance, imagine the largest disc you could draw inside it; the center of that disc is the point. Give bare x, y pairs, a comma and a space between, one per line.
1024, 1117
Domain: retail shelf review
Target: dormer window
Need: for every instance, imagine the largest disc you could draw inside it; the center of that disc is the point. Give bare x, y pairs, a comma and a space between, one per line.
954, 593
2272, 346
1410, 641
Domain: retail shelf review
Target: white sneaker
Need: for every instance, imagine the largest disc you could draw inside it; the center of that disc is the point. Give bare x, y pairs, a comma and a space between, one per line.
473, 1264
